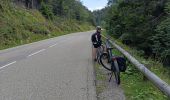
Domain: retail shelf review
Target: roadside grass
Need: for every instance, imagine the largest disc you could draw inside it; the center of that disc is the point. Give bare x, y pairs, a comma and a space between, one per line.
133, 83
100, 78
21, 26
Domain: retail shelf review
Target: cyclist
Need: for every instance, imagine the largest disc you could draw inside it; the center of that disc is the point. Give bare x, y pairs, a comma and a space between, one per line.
96, 41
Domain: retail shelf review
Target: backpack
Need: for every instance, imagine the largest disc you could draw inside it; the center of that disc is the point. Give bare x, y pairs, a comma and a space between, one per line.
122, 64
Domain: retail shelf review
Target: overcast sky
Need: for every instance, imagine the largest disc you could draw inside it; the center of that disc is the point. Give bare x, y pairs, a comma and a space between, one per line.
94, 4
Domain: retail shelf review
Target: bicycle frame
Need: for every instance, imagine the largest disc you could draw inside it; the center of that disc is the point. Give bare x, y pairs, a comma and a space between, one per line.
109, 50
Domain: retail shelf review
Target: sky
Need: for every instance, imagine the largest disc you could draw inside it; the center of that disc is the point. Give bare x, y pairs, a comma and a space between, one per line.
94, 4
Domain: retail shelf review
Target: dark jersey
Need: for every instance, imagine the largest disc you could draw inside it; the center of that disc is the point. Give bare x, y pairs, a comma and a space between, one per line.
96, 39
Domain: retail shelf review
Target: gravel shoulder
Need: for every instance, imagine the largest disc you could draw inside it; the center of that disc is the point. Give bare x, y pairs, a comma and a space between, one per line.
107, 90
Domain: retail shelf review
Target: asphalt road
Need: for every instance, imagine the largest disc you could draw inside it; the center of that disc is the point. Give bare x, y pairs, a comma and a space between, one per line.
55, 69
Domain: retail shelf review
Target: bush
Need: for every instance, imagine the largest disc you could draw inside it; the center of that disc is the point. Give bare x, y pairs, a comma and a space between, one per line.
47, 11
144, 25
161, 41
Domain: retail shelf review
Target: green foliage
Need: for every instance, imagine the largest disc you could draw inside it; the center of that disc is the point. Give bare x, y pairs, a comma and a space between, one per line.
135, 88
161, 39
71, 9
141, 24
47, 11
167, 8
99, 16
163, 29
134, 85
19, 26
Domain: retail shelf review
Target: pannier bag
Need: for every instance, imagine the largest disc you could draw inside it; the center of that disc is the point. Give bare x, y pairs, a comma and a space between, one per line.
121, 63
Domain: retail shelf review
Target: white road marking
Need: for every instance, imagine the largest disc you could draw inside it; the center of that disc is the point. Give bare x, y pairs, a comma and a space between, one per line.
53, 45
7, 65
36, 52
59, 42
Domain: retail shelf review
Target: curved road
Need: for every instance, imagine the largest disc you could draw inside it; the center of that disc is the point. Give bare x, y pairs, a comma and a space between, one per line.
55, 69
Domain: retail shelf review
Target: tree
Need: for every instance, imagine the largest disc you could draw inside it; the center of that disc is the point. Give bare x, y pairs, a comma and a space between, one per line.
143, 24
47, 11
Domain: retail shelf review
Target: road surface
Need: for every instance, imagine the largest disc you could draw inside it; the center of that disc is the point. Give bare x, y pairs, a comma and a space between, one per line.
55, 69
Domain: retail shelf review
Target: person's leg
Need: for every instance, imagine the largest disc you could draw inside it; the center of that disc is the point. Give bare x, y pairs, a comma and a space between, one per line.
94, 53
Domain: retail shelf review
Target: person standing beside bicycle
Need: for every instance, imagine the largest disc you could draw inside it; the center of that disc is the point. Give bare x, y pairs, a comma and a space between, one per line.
96, 41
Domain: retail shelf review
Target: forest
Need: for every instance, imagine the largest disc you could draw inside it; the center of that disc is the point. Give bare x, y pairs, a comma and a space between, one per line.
141, 24
72, 9
141, 27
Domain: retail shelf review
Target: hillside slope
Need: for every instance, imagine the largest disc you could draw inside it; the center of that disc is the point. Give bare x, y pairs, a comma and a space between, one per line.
19, 25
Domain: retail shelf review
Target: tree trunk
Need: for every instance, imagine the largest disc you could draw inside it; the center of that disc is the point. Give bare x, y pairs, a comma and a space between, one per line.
27, 3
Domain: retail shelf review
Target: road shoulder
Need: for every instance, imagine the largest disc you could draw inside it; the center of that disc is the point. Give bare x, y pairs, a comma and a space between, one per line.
91, 88
107, 90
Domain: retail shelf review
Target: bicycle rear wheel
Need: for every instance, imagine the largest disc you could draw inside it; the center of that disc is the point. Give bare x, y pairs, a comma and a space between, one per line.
117, 72
104, 61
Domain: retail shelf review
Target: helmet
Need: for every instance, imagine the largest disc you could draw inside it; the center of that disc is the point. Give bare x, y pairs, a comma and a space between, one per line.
98, 28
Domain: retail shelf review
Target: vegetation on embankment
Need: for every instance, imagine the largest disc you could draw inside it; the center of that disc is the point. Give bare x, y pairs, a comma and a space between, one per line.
135, 86
19, 25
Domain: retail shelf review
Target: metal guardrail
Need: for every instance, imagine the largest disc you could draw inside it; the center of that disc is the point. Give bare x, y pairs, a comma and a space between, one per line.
159, 83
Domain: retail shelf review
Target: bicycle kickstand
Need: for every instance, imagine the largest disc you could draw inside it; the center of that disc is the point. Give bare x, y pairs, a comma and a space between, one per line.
111, 77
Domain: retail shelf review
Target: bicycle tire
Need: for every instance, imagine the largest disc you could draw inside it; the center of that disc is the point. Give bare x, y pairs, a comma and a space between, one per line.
101, 56
117, 77
117, 72
100, 51
109, 56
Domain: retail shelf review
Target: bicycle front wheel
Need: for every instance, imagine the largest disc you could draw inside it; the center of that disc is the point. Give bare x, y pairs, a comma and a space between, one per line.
104, 61
117, 77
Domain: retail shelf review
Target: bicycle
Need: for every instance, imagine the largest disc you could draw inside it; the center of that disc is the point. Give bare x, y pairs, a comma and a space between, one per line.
111, 59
